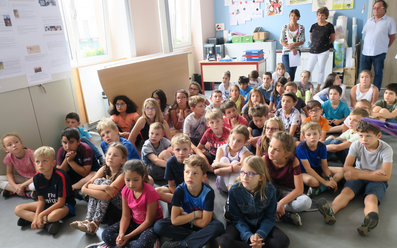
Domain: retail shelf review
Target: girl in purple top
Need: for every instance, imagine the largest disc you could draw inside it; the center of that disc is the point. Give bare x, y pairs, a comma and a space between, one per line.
285, 173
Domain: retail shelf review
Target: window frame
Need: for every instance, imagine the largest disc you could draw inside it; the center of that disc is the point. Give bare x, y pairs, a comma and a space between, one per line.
173, 27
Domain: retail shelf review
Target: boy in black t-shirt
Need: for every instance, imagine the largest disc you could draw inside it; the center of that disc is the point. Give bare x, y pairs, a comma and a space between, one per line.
258, 113
54, 192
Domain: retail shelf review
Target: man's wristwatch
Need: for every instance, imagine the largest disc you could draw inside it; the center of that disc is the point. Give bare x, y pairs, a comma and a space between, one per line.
331, 175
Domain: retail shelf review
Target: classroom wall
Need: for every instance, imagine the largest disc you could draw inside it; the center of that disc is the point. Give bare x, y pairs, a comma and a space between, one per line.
273, 24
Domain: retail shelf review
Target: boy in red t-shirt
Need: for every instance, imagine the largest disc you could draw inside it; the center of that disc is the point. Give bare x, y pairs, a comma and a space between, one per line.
215, 136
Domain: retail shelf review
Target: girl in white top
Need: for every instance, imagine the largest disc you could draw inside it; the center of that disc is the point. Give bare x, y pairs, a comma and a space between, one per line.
280, 72
365, 89
226, 85
332, 79
228, 158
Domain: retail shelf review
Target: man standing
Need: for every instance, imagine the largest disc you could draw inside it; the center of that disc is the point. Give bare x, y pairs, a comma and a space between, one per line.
380, 32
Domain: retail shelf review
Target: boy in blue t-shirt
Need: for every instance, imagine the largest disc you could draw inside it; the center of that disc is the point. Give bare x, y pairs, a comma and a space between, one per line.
109, 132
180, 144
312, 155
194, 227
335, 111
73, 120
54, 191
245, 89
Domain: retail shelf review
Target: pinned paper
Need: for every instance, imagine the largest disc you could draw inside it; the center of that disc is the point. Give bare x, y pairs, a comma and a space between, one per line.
228, 2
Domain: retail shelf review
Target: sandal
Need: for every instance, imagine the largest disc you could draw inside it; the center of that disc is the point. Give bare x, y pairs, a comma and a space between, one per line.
75, 224
85, 226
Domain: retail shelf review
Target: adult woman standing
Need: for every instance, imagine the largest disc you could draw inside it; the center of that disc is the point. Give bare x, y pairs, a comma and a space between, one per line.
322, 34
292, 37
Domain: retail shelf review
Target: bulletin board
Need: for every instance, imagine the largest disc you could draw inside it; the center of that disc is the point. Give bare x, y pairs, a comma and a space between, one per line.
32, 44
139, 79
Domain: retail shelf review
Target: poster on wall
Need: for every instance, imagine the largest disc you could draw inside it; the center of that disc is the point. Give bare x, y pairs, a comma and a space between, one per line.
342, 4
274, 7
321, 3
296, 2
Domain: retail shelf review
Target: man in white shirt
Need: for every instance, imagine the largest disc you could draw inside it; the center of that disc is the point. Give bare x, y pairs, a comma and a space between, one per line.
380, 32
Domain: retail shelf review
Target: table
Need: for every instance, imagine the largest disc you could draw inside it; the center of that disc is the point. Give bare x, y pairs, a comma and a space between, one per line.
212, 71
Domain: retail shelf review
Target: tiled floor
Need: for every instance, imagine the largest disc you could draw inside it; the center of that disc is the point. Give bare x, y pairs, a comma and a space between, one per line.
313, 233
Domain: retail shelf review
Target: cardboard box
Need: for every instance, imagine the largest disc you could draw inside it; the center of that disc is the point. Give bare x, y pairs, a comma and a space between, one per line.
349, 76
260, 34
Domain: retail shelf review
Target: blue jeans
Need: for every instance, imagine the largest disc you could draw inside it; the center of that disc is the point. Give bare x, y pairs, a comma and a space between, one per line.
379, 63
290, 70
341, 155
195, 237
97, 153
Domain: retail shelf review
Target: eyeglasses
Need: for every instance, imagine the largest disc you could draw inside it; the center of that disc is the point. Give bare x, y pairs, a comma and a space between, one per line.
193, 89
272, 129
181, 97
152, 109
249, 174
312, 111
378, 7
156, 98
120, 104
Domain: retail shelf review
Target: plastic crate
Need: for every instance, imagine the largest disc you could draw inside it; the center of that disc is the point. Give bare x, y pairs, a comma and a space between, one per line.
237, 39
253, 52
255, 59
248, 38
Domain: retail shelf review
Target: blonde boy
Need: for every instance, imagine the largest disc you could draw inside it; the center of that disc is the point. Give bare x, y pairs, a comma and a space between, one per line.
316, 114
312, 156
340, 146
156, 150
195, 124
215, 136
54, 191
367, 168
109, 132
180, 144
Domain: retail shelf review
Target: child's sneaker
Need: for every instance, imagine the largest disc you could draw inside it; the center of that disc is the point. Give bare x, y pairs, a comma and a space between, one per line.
31, 194
292, 218
157, 244
52, 227
97, 245
6, 193
313, 191
371, 221
23, 222
171, 244
226, 214
327, 211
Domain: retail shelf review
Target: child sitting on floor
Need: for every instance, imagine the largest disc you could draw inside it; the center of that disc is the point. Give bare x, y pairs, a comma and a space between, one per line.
104, 188
271, 126
335, 111
316, 115
191, 223
255, 127
312, 156
231, 117
386, 110
216, 98
289, 115
21, 158
54, 191
373, 159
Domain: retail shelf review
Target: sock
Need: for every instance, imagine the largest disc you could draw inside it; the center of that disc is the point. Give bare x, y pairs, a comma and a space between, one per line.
323, 188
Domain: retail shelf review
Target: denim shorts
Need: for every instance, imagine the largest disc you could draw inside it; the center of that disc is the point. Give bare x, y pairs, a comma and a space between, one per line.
370, 188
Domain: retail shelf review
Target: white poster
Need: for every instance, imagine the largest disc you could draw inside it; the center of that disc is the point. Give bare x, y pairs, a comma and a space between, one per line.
321, 3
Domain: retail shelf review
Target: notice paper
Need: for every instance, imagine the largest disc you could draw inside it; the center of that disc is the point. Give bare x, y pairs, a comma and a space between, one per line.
294, 60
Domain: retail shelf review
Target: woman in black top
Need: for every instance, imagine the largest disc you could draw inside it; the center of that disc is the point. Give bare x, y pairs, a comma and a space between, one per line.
322, 34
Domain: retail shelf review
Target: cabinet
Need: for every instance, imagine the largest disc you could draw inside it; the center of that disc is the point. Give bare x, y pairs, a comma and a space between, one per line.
37, 115
304, 60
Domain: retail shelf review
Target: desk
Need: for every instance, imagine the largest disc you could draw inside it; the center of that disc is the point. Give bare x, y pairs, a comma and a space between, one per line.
212, 71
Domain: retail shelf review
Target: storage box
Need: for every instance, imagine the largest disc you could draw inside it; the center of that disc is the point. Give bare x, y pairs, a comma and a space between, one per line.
260, 34
255, 59
253, 52
248, 38
237, 39
254, 56
349, 76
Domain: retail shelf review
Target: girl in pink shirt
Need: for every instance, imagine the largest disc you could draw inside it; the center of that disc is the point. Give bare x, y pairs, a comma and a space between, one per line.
140, 210
21, 158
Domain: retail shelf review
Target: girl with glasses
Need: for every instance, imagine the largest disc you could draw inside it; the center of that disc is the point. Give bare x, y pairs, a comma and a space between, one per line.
123, 113
151, 113
285, 173
179, 111
195, 90
272, 125
252, 208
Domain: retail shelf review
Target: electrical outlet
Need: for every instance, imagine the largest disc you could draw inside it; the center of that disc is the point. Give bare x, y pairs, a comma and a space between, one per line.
219, 26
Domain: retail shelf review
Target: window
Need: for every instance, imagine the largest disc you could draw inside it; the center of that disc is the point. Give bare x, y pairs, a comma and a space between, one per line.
179, 13
87, 32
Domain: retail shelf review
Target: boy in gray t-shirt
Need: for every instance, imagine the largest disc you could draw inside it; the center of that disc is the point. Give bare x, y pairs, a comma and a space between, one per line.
155, 152
374, 161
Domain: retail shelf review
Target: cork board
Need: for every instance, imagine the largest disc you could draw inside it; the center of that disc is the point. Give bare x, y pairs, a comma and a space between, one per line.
139, 79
